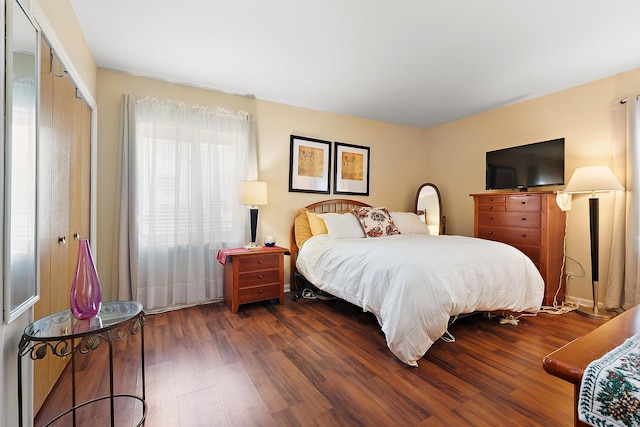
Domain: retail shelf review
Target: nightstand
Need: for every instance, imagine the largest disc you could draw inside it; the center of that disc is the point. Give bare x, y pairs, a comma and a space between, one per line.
252, 275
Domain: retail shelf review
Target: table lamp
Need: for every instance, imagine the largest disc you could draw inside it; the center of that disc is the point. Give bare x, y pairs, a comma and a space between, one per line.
253, 193
593, 179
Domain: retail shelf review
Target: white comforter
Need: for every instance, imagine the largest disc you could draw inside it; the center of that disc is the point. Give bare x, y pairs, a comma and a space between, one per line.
414, 283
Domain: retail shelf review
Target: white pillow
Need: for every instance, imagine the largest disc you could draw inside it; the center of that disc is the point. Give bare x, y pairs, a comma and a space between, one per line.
409, 223
342, 226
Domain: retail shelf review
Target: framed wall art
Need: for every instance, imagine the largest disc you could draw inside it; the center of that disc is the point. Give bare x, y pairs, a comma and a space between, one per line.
309, 165
351, 171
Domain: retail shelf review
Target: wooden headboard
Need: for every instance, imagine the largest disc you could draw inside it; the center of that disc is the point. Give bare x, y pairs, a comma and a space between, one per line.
324, 206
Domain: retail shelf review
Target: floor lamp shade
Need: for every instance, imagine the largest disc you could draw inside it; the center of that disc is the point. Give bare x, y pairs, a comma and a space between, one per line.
253, 193
593, 179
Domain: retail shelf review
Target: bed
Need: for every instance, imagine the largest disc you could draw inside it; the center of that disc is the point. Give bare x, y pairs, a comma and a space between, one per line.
411, 281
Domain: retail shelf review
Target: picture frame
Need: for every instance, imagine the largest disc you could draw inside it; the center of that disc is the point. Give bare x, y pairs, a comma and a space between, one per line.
309, 165
351, 169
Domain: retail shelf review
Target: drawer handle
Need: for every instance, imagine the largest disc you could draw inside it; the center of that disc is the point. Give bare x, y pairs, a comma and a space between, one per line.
523, 203
491, 199
259, 261
261, 291
523, 235
490, 208
490, 218
490, 233
259, 276
524, 219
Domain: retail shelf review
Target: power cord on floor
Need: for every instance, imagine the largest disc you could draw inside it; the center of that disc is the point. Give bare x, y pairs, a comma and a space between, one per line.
510, 319
447, 337
311, 294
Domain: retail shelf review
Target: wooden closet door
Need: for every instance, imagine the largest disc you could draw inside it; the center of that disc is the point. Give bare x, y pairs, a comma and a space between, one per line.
85, 174
64, 212
54, 144
75, 181
63, 141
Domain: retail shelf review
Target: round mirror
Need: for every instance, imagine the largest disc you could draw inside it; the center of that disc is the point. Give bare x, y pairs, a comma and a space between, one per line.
429, 208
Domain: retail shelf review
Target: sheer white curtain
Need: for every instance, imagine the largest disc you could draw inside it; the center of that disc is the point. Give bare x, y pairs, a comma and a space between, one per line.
615, 279
180, 170
631, 295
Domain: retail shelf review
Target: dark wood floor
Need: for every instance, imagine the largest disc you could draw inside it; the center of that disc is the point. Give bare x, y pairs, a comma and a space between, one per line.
324, 363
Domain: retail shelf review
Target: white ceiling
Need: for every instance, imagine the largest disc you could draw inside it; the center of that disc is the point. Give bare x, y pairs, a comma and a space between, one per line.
411, 62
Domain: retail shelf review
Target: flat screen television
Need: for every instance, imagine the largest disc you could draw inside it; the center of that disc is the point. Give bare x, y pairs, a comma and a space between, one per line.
532, 165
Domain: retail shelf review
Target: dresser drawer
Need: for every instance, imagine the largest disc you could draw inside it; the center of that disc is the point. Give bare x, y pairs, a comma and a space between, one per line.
258, 277
524, 203
491, 200
258, 262
258, 293
492, 203
509, 219
533, 252
513, 236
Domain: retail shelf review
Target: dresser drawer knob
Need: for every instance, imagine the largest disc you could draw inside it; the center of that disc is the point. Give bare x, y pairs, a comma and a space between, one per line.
490, 218
490, 208
523, 235
490, 233
523, 203
524, 219
259, 276
261, 291
259, 261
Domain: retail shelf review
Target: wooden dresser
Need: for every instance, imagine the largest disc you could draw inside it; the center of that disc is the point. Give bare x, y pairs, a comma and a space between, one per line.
532, 222
251, 276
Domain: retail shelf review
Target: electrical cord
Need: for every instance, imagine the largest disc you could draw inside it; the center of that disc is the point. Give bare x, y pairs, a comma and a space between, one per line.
311, 294
567, 306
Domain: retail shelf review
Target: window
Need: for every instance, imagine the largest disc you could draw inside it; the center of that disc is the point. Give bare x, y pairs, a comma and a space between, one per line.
184, 169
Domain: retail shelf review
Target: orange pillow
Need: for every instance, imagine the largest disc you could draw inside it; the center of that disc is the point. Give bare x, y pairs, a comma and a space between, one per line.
316, 223
302, 229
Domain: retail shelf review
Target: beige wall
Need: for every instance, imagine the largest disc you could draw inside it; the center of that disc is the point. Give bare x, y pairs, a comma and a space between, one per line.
590, 118
397, 161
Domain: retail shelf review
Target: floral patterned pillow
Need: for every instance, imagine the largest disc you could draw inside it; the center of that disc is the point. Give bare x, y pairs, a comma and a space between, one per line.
376, 222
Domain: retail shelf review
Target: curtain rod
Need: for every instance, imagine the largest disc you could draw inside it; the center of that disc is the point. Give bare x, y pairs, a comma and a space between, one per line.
625, 100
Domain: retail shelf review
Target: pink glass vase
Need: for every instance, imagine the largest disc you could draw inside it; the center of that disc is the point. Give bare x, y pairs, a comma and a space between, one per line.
86, 296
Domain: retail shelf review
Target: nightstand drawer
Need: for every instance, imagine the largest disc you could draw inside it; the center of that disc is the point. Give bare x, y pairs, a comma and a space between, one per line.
258, 293
258, 262
258, 277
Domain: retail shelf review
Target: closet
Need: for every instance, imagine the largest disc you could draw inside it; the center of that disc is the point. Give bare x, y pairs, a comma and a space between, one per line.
64, 198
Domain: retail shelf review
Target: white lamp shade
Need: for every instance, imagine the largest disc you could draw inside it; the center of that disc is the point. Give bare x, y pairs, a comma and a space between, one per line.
253, 193
590, 179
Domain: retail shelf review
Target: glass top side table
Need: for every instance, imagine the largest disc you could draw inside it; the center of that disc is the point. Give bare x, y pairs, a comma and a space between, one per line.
62, 335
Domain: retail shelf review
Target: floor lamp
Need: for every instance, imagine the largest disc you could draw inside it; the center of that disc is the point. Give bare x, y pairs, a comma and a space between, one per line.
593, 179
253, 193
